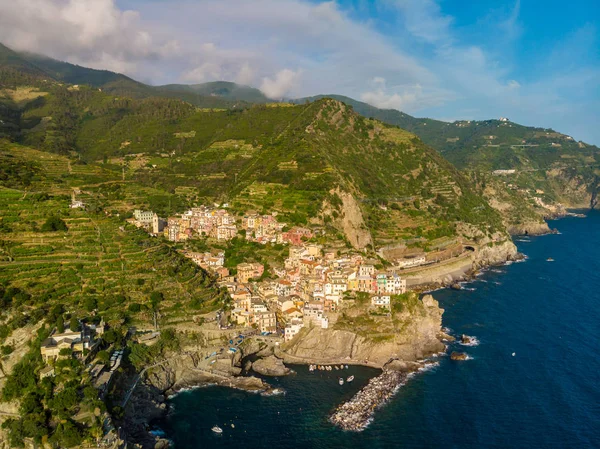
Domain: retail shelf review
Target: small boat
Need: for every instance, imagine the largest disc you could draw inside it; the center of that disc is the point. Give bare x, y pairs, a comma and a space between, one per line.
346, 366
232, 425
549, 259
217, 429
311, 368
341, 381
350, 379
336, 368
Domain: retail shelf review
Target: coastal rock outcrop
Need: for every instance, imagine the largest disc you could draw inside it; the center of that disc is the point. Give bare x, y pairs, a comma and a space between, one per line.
458, 356
530, 228
466, 339
270, 366
495, 253
415, 337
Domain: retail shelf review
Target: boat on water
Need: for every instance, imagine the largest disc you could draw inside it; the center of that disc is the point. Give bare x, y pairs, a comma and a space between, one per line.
311, 368
350, 379
217, 429
549, 259
341, 381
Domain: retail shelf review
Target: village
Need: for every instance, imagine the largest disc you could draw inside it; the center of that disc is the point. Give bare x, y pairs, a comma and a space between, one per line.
306, 290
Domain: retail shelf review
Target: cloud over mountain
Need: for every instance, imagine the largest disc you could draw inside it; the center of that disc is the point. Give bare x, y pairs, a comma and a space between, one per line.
434, 61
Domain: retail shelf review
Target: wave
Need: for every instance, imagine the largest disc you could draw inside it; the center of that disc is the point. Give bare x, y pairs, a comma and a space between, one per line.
274, 392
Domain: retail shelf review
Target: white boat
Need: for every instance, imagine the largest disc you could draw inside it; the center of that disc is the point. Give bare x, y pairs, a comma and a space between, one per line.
341, 381
549, 259
350, 379
217, 429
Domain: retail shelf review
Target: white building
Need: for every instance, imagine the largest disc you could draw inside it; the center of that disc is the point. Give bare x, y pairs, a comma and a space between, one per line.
143, 216
292, 329
413, 262
381, 301
366, 270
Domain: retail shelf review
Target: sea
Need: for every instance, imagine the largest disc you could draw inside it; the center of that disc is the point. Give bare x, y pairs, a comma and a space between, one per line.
532, 380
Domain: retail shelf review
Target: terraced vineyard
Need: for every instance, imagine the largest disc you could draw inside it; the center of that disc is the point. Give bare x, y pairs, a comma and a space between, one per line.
100, 262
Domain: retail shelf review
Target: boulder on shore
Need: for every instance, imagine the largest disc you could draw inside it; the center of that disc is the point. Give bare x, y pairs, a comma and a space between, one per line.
458, 356
270, 366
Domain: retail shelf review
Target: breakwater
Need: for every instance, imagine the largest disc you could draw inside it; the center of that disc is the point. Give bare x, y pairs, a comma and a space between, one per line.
357, 413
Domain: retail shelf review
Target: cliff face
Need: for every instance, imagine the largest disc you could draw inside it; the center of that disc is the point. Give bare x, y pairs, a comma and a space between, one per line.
416, 335
573, 190
529, 228
349, 219
494, 253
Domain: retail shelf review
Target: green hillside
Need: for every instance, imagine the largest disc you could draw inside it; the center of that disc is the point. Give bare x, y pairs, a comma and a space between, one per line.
110, 82
276, 156
565, 170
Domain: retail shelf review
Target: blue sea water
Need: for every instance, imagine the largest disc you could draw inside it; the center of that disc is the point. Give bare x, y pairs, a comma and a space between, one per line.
545, 396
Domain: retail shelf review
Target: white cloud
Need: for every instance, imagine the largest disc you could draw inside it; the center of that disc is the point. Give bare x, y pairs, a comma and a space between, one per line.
425, 20
246, 75
417, 59
91, 32
405, 98
277, 88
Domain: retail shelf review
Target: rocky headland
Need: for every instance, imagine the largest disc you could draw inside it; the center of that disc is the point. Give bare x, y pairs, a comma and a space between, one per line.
416, 335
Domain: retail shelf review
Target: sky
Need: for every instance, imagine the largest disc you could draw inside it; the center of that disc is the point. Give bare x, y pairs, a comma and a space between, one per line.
535, 62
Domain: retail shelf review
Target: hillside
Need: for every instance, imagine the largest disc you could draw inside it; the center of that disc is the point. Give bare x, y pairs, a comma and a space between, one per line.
551, 169
289, 158
114, 83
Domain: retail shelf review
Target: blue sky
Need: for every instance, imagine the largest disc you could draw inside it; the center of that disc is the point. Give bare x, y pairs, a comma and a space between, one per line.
536, 62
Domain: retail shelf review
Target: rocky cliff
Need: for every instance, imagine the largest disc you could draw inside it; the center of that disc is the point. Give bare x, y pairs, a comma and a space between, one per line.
348, 218
415, 335
494, 253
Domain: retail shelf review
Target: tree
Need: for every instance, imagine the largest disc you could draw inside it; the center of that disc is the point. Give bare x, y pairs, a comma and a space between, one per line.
66, 352
90, 393
90, 303
67, 434
65, 400
134, 307
60, 324
74, 324
103, 356
53, 224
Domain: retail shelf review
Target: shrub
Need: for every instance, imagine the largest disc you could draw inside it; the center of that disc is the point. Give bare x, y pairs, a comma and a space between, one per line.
54, 223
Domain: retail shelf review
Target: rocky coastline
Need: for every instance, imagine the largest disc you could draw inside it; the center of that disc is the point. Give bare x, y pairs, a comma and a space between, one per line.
397, 359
